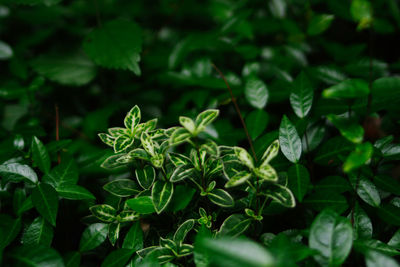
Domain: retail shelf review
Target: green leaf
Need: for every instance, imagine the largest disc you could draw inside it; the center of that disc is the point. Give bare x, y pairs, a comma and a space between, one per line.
289, 140
335, 184
238, 179
181, 198
385, 93
147, 144
256, 122
122, 143
15, 172
319, 23
205, 118
188, 124
302, 95
387, 183
37, 2
362, 225
266, 172
178, 159
179, 136
244, 157
134, 237
142, 205
221, 198
390, 214
361, 11
65, 173
395, 240
6, 51
182, 172
40, 155
45, 200
132, 118
104, 212
183, 230
235, 252
332, 236
270, 153
349, 129
9, 229
352, 88
122, 188
39, 232
93, 236
357, 158
113, 232
377, 259
146, 176
161, 195
117, 45
298, 180
256, 93
36, 256
74, 192
72, 259
234, 225
326, 199
280, 194
313, 137
70, 70
367, 191
332, 150
118, 258
365, 245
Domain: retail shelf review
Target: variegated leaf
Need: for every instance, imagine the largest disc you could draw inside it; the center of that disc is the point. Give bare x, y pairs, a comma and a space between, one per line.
211, 148
146, 176
234, 225
178, 159
139, 153
113, 232
266, 172
161, 195
112, 162
179, 136
221, 198
181, 173
122, 143
270, 153
168, 243
132, 119
117, 131
147, 144
238, 179
127, 216
232, 167
187, 123
280, 194
106, 139
122, 188
104, 212
185, 250
157, 160
183, 230
205, 118
244, 157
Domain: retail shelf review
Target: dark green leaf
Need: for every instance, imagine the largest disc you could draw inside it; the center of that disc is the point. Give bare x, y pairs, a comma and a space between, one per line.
352, 88
326, 199
122, 188
221, 198
39, 232
15, 172
289, 140
234, 225
349, 129
256, 122
9, 229
74, 192
40, 155
64, 173
146, 176
256, 93
6, 51
319, 24
142, 205
161, 195
113, 232
367, 191
302, 95
36, 256
104, 212
134, 237
390, 214
298, 180
331, 150
118, 258
45, 200
181, 198
183, 230
93, 236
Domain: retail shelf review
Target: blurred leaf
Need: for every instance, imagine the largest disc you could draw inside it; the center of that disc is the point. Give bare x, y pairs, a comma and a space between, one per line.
256, 122
289, 140
74, 192
45, 200
302, 95
377, 259
361, 11
332, 150
234, 225
6, 51
348, 128
15, 172
319, 23
352, 88
36, 256
93, 236
361, 155
118, 258
39, 232
323, 199
390, 214
256, 93
40, 155
298, 180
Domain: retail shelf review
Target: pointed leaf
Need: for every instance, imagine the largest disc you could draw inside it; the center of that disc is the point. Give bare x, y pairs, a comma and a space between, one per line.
367, 191
39, 232
146, 176
107, 139
266, 172
182, 172
270, 153
302, 95
161, 195
113, 232
299, 180
40, 155
234, 225
244, 157
280, 194
256, 93
65, 173
187, 123
142, 205
238, 179
74, 192
134, 237
104, 212
45, 200
122, 188
16, 172
205, 118
118, 258
289, 140
183, 230
122, 143
221, 198
93, 236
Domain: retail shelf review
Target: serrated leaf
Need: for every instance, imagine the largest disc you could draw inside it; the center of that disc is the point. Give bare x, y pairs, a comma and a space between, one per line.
332, 236
352, 88
93, 236
302, 95
298, 180
142, 205
117, 45
357, 158
289, 140
161, 195
45, 200
71, 70
145, 176
221, 198
104, 212
122, 188
256, 93
40, 155
74, 192
134, 237
15, 172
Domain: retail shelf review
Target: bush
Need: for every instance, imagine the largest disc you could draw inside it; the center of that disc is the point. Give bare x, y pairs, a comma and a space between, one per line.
286, 153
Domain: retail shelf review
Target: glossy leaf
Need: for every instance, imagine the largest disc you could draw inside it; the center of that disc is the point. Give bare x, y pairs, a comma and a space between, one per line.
256, 93
183, 230
122, 188
280, 194
39, 232
104, 212
234, 225
238, 179
146, 176
45, 200
132, 118
65, 173
367, 191
221, 198
182, 172
118, 258
113, 232
134, 237
142, 204
74, 192
299, 180
119, 52
40, 155
161, 195
93, 236
302, 96
332, 236
16, 172
289, 140
352, 88
244, 157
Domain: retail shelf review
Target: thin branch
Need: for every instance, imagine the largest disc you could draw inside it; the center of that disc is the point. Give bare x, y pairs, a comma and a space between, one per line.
237, 111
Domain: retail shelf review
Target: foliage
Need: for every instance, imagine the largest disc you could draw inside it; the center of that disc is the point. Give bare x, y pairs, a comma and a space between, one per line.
267, 133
